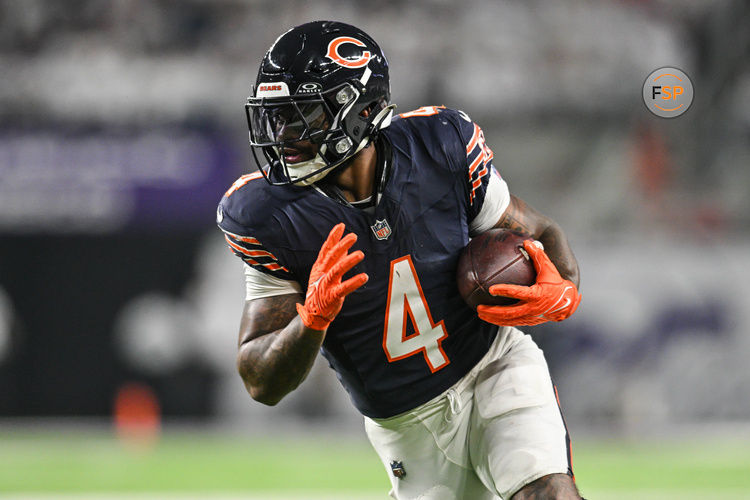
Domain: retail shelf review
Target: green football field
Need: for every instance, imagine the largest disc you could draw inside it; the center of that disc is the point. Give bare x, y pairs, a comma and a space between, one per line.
193, 464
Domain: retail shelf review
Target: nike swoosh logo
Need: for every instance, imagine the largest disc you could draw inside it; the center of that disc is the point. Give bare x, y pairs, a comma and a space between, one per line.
567, 301
312, 287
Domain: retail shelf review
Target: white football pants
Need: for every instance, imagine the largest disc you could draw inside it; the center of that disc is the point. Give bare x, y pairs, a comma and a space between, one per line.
496, 430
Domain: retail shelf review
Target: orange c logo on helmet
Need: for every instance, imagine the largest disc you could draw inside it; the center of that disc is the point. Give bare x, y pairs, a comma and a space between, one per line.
333, 53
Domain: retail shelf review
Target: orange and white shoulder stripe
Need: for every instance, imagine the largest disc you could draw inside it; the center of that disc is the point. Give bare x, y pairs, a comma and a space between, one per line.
242, 181
252, 251
479, 156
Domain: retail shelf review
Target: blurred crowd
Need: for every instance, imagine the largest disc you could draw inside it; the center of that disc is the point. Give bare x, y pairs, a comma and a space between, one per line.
556, 85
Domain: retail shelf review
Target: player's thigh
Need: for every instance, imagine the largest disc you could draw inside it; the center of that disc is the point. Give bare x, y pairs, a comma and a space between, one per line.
517, 434
425, 459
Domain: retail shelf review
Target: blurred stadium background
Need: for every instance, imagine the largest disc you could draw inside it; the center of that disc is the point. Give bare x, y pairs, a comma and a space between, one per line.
121, 124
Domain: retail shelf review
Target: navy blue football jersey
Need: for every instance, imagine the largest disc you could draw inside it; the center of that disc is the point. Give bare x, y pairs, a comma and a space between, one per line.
406, 335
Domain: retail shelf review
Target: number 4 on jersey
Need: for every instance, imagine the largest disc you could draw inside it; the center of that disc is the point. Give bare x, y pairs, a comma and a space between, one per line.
406, 302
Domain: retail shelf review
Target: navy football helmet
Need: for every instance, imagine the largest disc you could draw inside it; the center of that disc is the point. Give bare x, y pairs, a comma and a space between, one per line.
322, 94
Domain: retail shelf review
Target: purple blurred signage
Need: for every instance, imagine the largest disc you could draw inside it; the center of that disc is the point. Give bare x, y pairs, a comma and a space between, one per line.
108, 180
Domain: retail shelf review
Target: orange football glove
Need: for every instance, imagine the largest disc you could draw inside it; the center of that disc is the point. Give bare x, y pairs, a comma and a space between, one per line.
551, 298
325, 290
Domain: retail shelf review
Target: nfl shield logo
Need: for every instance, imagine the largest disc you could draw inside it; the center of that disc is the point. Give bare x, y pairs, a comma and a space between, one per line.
381, 229
398, 469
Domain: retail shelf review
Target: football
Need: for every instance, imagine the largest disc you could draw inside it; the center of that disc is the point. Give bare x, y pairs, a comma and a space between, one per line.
492, 258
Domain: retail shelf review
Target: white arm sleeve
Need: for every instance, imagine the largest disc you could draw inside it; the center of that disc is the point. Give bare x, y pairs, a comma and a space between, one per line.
496, 201
259, 285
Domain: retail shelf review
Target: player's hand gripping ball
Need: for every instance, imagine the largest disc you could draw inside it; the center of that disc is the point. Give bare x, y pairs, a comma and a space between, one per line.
325, 289
493, 257
551, 298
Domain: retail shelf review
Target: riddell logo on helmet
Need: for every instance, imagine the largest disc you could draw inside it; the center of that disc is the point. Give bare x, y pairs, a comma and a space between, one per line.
350, 62
269, 88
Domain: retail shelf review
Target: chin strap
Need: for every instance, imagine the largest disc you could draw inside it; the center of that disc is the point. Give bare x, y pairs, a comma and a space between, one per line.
383, 118
316, 163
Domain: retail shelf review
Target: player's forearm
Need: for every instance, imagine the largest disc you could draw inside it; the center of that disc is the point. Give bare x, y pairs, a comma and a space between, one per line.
521, 217
274, 365
558, 249
276, 349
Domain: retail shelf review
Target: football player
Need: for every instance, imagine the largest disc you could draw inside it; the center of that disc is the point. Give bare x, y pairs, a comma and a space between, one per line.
351, 231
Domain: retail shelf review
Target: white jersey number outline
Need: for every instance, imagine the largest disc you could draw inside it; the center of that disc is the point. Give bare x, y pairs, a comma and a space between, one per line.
406, 302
